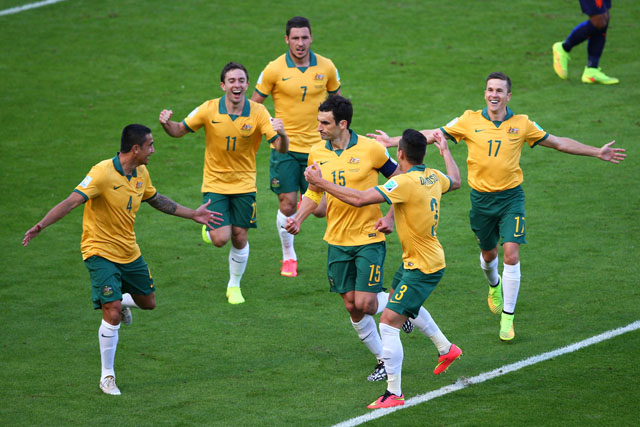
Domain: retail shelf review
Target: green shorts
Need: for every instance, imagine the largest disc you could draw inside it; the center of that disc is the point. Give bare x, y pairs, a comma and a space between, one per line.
356, 268
236, 209
109, 280
411, 288
498, 215
286, 172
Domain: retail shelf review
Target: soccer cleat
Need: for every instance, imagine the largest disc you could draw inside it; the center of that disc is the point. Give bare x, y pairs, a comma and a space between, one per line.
125, 316
595, 75
495, 297
387, 400
205, 235
289, 268
506, 327
379, 373
108, 386
447, 359
407, 326
560, 60
234, 294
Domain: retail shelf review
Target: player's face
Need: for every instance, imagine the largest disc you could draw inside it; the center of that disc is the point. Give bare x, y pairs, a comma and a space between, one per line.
299, 41
327, 126
235, 85
145, 150
496, 95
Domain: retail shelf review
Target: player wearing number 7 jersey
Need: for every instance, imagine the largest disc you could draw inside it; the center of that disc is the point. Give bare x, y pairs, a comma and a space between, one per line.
233, 127
494, 138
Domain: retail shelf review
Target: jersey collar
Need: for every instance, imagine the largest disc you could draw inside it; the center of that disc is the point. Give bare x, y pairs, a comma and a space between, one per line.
222, 108
419, 168
485, 114
353, 140
313, 61
118, 166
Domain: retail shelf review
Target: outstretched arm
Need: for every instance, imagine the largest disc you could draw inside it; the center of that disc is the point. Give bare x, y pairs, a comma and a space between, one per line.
357, 198
393, 141
452, 168
200, 215
174, 129
58, 212
571, 146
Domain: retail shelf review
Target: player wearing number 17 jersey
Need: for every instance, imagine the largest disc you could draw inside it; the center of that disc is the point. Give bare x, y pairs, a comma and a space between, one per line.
299, 82
494, 138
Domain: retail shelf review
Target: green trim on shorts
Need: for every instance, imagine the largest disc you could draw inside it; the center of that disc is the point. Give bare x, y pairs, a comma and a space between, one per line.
109, 280
236, 209
411, 288
496, 216
356, 268
286, 172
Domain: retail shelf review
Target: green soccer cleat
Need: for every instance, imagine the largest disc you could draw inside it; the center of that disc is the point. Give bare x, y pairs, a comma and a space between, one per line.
205, 235
506, 327
560, 60
495, 297
234, 294
595, 75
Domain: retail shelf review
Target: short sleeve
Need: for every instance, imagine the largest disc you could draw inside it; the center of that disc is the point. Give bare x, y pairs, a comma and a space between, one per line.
264, 85
395, 190
535, 134
455, 129
333, 83
197, 118
93, 184
445, 181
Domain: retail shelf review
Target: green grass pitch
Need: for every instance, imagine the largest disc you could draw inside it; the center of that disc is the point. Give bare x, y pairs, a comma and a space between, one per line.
76, 72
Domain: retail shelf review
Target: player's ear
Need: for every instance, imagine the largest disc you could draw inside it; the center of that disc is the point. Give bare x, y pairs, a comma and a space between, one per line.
222, 86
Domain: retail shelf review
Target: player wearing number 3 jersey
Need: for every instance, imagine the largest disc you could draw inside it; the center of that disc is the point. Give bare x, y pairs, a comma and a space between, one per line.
494, 138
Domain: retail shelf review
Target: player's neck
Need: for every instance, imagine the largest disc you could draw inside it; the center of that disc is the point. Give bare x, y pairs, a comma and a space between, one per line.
498, 116
300, 62
128, 163
342, 141
234, 108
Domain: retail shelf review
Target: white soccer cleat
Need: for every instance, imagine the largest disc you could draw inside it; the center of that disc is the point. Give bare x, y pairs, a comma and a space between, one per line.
126, 316
108, 386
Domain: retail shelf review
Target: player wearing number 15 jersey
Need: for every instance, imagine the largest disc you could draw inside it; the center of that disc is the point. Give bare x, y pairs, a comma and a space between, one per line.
233, 127
494, 138
299, 82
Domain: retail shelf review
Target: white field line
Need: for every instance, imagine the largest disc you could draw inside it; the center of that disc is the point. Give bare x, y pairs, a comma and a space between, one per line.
27, 7
464, 382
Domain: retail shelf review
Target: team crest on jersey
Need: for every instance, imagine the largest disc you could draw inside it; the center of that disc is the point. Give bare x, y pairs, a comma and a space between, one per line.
354, 160
107, 291
85, 182
318, 77
275, 183
139, 184
390, 185
246, 127
513, 130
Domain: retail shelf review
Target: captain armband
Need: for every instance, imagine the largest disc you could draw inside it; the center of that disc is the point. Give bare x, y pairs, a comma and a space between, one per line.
314, 195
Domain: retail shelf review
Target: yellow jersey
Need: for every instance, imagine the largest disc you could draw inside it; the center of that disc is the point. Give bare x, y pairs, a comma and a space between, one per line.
297, 94
231, 144
415, 196
112, 200
494, 148
356, 167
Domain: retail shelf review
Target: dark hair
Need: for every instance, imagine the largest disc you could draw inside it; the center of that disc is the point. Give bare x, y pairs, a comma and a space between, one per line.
232, 66
500, 76
298, 22
340, 107
133, 135
414, 145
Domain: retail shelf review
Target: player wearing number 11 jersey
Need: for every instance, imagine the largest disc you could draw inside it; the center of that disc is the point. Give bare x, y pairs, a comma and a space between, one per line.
494, 138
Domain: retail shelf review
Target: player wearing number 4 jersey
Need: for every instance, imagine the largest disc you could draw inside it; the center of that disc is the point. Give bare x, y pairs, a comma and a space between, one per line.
494, 138
412, 194
113, 191
299, 82
233, 127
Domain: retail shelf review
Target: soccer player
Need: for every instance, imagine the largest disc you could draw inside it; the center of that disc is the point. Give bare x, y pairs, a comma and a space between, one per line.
593, 29
494, 138
120, 278
299, 81
355, 262
233, 128
416, 191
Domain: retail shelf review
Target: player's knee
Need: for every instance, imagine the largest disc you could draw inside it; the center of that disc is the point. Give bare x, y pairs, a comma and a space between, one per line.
287, 209
511, 259
219, 241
